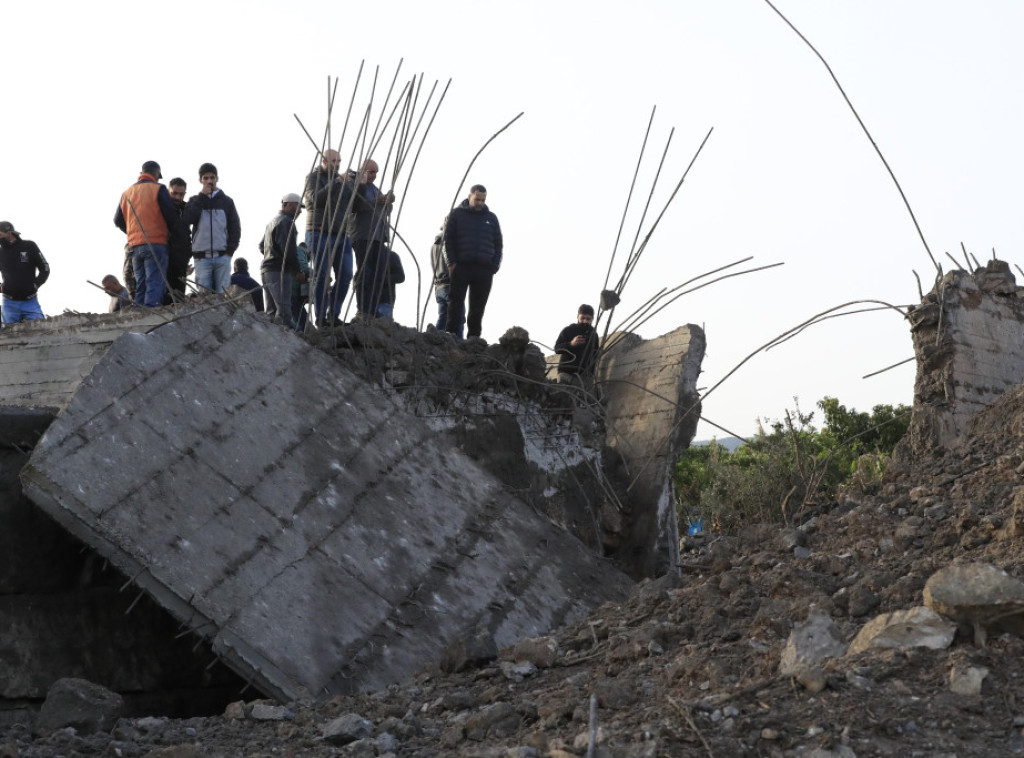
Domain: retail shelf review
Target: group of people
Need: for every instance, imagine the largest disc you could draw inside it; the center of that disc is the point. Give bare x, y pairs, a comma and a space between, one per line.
346, 240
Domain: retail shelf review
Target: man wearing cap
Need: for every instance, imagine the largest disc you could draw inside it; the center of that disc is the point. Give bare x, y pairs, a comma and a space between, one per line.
23, 269
473, 248
368, 228
328, 196
216, 231
576, 347
146, 214
280, 265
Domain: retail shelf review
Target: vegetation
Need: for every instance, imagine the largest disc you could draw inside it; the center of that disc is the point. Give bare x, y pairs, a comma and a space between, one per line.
789, 467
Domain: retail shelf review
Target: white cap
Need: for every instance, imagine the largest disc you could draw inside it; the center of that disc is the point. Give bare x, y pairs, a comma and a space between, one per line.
291, 197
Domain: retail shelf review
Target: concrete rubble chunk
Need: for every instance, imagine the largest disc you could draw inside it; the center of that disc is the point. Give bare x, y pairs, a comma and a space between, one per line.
78, 703
980, 598
540, 651
347, 728
967, 680
653, 408
815, 640
321, 537
916, 627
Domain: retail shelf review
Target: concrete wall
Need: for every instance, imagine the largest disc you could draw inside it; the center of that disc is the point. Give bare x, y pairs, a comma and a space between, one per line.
650, 391
42, 362
321, 537
969, 342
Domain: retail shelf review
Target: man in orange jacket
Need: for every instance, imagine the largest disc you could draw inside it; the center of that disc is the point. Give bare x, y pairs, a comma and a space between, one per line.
146, 213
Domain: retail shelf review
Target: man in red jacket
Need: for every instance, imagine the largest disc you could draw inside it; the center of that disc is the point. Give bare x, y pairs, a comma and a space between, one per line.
146, 214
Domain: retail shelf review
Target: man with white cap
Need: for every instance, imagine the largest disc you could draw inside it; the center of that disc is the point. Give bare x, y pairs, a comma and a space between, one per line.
280, 265
23, 270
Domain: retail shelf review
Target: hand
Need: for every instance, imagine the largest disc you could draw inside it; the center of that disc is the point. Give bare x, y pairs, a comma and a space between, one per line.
385, 199
451, 269
578, 340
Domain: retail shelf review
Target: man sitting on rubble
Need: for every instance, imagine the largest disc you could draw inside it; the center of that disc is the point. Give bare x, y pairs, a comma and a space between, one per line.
576, 347
120, 298
242, 278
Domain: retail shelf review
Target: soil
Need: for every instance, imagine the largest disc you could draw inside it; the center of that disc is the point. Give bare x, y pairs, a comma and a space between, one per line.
688, 666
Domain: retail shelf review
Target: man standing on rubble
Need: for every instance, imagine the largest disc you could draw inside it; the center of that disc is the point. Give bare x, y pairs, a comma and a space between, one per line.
327, 198
179, 244
473, 247
146, 214
23, 270
368, 228
280, 265
216, 232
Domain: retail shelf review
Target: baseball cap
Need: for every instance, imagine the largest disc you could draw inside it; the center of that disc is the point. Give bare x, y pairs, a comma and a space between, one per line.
7, 226
291, 197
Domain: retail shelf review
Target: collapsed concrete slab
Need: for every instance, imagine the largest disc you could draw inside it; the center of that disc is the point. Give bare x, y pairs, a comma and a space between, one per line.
317, 534
650, 391
969, 342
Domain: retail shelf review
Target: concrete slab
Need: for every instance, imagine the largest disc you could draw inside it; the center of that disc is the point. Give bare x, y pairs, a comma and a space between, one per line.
322, 538
650, 392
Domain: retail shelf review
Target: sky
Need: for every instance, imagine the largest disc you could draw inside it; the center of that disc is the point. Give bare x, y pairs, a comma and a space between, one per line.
91, 91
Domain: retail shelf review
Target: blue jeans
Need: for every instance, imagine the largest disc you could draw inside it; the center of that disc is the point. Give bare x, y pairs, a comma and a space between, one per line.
149, 264
16, 311
328, 253
277, 288
213, 274
441, 295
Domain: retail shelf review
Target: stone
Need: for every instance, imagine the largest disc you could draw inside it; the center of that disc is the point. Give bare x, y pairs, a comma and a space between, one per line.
497, 720
540, 651
78, 703
916, 627
472, 650
270, 712
174, 751
967, 680
812, 678
346, 729
980, 598
816, 639
235, 710
582, 740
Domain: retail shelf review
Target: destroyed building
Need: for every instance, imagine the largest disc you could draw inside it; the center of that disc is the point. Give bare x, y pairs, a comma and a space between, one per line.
322, 518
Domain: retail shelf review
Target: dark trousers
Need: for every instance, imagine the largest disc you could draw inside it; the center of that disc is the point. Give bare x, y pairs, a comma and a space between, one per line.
371, 274
475, 278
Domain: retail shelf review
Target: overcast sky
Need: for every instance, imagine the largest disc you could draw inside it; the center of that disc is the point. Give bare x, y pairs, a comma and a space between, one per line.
91, 90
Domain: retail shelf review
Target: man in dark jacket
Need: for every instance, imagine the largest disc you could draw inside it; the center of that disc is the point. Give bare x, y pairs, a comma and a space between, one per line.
23, 270
473, 249
327, 197
280, 265
179, 244
241, 278
216, 231
442, 281
368, 228
576, 347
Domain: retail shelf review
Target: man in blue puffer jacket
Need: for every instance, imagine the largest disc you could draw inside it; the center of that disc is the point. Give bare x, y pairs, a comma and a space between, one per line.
473, 250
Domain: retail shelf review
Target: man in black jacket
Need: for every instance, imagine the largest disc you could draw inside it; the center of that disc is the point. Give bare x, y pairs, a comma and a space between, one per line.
576, 347
179, 244
473, 249
280, 265
23, 270
327, 196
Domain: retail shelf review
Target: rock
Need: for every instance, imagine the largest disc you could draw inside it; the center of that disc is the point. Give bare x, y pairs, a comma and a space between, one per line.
812, 679
78, 703
387, 743
861, 601
270, 712
967, 681
498, 720
518, 671
582, 739
815, 640
917, 627
540, 651
980, 598
235, 710
347, 728
470, 651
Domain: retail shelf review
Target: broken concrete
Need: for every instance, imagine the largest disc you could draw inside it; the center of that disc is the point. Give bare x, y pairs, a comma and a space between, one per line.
650, 391
329, 543
969, 340
43, 362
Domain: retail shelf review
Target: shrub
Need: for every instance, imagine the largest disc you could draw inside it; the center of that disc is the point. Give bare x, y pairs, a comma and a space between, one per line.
787, 468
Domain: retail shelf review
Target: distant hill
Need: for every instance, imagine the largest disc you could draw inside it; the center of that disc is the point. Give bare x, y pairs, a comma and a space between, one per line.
729, 443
